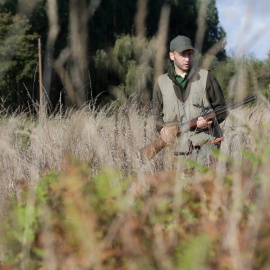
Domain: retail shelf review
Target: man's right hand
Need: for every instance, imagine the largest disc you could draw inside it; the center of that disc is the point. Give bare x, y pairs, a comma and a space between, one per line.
168, 134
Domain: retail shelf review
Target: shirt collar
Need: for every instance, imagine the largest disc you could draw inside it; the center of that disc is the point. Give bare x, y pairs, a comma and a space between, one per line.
178, 76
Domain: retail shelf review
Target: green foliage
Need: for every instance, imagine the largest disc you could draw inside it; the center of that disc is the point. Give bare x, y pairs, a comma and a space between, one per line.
18, 54
124, 66
224, 71
194, 253
108, 188
23, 224
7, 6
247, 73
54, 197
22, 139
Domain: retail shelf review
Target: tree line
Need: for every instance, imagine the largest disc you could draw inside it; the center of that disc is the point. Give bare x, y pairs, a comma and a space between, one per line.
94, 51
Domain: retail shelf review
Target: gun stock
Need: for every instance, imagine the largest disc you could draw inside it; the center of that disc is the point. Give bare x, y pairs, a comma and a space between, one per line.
150, 150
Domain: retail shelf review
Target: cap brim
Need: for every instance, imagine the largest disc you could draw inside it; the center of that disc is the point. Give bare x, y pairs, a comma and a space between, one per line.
179, 50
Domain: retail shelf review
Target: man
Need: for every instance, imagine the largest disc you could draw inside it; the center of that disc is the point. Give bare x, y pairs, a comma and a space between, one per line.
183, 93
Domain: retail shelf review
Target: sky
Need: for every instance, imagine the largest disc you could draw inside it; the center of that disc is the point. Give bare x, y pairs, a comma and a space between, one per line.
247, 24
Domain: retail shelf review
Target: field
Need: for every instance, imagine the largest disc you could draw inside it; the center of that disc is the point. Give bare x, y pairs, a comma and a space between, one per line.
75, 194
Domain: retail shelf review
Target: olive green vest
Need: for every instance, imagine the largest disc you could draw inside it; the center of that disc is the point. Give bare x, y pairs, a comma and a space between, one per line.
176, 111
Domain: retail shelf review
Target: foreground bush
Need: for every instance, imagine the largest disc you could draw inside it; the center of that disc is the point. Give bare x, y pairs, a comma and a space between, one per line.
169, 220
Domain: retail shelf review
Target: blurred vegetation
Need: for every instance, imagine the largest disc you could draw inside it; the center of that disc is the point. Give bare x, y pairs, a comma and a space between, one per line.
255, 75
74, 220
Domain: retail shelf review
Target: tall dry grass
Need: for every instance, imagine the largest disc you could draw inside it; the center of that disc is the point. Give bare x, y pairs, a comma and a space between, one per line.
109, 136
158, 209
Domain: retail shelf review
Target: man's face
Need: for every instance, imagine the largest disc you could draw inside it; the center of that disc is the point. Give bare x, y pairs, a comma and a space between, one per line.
182, 60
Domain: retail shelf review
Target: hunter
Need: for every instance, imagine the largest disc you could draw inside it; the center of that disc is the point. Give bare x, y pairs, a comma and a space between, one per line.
183, 93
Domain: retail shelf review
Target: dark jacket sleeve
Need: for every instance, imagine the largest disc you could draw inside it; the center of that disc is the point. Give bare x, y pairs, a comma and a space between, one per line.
158, 107
215, 95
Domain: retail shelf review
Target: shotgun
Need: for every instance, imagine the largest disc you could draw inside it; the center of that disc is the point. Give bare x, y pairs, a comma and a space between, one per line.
150, 150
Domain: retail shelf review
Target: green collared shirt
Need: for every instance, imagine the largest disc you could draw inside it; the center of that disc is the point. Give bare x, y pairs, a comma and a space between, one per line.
180, 79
